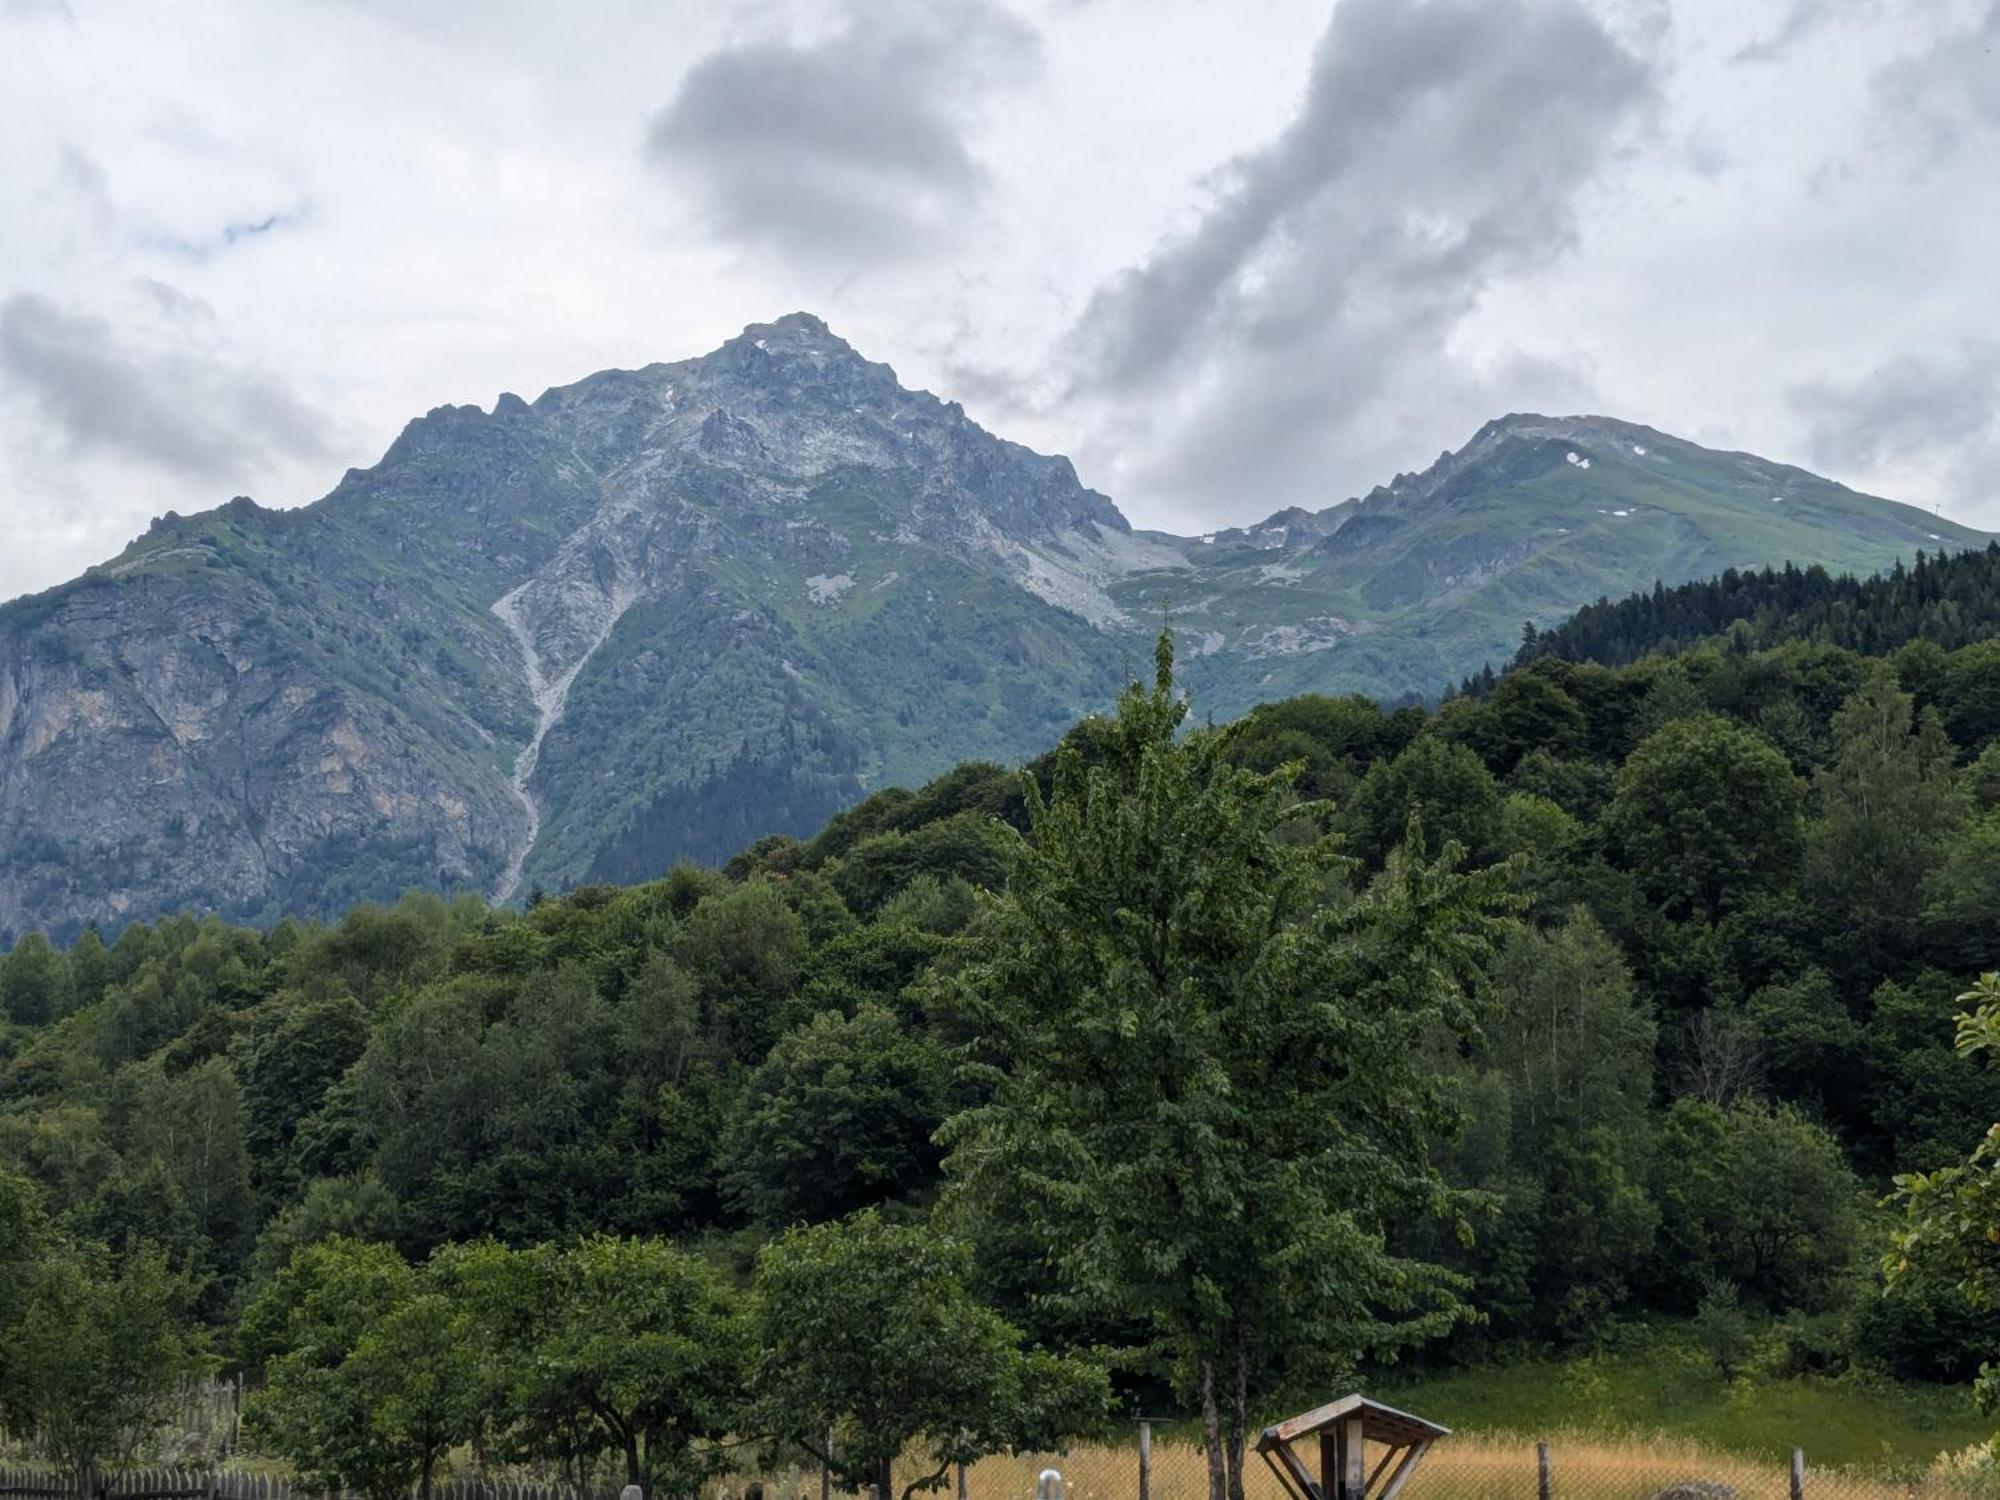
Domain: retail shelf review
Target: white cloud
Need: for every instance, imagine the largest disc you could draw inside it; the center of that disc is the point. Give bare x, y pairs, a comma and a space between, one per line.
460, 199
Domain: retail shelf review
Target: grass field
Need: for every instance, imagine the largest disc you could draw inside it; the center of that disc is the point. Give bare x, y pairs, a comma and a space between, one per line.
1670, 1389
1479, 1466
1619, 1427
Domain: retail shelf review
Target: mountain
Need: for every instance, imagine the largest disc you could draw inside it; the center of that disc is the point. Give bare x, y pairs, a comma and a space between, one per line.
659, 612
1434, 574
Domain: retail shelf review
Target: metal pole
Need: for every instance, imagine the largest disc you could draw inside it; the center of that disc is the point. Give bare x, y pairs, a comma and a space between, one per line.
1049, 1486
1146, 1461
1542, 1470
1798, 1474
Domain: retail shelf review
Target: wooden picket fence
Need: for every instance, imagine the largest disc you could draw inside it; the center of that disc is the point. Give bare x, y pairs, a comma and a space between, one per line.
230, 1484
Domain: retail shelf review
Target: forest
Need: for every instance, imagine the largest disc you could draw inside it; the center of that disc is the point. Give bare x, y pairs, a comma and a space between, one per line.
1188, 1064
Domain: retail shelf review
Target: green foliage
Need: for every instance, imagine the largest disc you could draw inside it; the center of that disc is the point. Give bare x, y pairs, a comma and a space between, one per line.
870, 1336
1560, 1131
1241, 1011
1950, 1229
746, 947
371, 1379
1440, 787
1760, 1196
291, 1057
1888, 801
1720, 1324
1659, 1380
1203, 1062
1707, 813
98, 1349
839, 1116
34, 982
620, 1346
1950, 600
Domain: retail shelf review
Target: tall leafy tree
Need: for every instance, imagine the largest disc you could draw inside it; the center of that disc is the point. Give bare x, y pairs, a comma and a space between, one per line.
1950, 1229
1204, 1062
839, 1115
24, 1239
1563, 1131
622, 1346
1757, 1195
871, 1339
99, 1349
34, 982
1886, 804
371, 1379
1706, 812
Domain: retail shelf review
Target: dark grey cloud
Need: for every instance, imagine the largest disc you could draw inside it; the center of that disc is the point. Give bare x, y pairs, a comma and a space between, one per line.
1938, 411
1442, 144
851, 147
179, 407
1951, 88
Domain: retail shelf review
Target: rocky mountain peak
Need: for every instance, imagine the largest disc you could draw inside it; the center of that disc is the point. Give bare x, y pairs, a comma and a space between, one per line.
658, 612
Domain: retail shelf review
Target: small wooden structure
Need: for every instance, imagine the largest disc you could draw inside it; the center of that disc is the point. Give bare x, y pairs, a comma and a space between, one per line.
1344, 1429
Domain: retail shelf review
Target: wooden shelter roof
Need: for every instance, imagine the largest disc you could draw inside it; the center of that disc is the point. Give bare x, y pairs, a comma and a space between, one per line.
1379, 1424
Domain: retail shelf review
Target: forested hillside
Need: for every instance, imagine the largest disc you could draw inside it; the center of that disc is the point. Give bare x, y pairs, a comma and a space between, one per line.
1951, 600
1747, 890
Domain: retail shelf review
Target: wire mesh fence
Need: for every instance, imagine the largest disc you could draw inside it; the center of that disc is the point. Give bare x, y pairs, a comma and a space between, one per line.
1461, 1467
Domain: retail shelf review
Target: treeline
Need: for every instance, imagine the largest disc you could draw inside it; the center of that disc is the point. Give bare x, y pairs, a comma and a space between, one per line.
1644, 978
1950, 601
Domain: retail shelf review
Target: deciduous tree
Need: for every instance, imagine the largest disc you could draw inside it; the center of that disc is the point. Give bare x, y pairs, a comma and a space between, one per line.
1205, 1062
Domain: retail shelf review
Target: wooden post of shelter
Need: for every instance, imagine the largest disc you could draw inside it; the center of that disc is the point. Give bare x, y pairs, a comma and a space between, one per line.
1345, 1428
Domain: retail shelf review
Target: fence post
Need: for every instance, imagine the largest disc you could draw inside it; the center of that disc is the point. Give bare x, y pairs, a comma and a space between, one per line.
1542, 1487
1145, 1460
1798, 1474
1049, 1486
826, 1470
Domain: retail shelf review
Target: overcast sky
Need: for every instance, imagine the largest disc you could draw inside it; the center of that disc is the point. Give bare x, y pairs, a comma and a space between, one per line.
1228, 254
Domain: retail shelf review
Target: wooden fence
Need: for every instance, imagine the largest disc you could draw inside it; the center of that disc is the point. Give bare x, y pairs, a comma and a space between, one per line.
229, 1484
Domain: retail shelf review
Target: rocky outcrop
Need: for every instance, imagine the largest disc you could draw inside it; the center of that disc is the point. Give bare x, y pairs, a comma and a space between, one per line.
666, 610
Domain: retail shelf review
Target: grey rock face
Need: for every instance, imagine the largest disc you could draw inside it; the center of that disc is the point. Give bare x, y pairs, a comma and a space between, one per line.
253, 712
660, 612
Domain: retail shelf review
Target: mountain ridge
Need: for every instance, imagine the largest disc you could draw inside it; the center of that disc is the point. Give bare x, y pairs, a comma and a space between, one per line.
525, 641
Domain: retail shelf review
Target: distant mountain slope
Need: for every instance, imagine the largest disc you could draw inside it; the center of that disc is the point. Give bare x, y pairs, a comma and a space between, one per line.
1402, 589
658, 612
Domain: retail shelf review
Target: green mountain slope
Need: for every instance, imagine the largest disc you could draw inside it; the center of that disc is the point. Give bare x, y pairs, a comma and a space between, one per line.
1533, 518
659, 612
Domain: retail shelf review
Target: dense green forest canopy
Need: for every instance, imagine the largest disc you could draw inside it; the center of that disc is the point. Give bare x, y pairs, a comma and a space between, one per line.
1950, 600
1747, 887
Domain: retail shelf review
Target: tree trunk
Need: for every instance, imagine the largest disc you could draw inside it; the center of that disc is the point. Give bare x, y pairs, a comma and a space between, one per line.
424, 1476
1238, 1434
1211, 1434
885, 1481
635, 1469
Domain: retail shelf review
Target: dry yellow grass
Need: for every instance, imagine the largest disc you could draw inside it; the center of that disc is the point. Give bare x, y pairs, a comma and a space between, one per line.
1475, 1466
